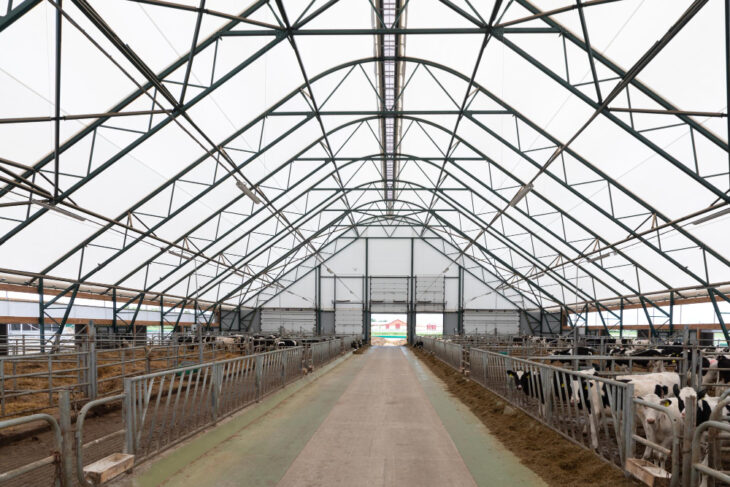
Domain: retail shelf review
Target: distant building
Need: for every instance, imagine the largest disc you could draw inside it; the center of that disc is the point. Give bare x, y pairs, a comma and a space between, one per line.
395, 328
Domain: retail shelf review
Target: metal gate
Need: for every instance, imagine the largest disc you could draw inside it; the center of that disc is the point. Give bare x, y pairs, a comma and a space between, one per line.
481, 322
389, 294
348, 318
430, 293
285, 320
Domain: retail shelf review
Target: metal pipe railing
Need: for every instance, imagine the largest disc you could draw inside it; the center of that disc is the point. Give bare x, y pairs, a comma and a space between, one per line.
52, 459
80, 435
676, 438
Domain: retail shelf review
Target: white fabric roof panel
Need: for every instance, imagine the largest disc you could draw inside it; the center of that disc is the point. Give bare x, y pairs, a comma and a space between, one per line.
485, 99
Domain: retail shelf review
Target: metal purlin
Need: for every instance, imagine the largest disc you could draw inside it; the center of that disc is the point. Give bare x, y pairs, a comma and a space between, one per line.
498, 32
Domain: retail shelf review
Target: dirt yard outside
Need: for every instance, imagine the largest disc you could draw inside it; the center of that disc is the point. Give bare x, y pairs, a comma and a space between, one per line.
388, 342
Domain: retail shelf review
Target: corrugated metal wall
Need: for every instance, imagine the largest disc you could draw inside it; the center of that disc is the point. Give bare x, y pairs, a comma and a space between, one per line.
481, 322
348, 319
278, 320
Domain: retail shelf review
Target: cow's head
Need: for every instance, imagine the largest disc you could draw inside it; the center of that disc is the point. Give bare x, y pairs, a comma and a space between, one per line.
661, 390
520, 378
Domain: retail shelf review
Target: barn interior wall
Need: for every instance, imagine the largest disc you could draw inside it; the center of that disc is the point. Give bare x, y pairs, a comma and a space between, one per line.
343, 276
327, 322
451, 323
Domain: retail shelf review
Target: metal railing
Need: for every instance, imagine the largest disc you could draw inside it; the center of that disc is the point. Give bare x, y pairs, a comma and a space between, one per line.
93, 367
166, 407
101, 445
677, 436
447, 351
30, 383
324, 352
159, 410
707, 443
23, 473
558, 397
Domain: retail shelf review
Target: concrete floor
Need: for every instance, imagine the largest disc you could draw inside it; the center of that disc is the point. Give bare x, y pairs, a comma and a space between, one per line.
375, 419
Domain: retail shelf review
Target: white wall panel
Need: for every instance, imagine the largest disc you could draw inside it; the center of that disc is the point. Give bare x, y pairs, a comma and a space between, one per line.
274, 320
481, 322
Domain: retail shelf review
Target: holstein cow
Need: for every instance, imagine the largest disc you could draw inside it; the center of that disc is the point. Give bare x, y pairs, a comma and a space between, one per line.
285, 342
645, 384
710, 371
529, 383
723, 368
590, 394
573, 352
705, 404
657, 426
653, 365
598, 402
705, 407
227, 343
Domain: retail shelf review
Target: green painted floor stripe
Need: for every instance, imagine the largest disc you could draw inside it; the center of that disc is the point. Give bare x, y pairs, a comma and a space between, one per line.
259, 443
488, 461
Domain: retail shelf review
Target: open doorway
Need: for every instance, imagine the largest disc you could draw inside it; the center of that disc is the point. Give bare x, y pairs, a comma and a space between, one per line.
428, 324
388, 329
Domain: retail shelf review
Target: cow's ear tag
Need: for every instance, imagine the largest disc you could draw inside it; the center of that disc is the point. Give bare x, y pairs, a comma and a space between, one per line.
666, 403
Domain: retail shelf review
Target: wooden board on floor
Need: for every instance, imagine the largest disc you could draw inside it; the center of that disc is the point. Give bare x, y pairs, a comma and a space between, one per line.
648, 473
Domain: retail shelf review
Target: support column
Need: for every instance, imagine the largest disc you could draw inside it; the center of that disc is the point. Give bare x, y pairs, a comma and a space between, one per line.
460, 312
411, 319
621, 319
162, 319
671, 312
318, 299
41, 315
366, 295
114, 310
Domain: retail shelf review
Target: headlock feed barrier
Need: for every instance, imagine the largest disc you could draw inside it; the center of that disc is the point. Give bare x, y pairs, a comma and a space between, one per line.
565, 400
557, 397
161, 409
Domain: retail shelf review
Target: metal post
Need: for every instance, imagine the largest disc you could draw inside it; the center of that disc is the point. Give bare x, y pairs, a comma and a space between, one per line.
162, 320
621, 319
628, 423
57, 107
460, 310
283, 368
366, 294
41, 318
114, 311
318, 300
671, 313
217, 385
67, 434
685, 358
547, 385
689, 430
259, 376
91, 361
128, 416
411, 320
199, 336
50, 379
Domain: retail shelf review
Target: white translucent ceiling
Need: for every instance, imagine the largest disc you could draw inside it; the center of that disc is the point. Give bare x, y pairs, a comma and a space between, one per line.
289, 94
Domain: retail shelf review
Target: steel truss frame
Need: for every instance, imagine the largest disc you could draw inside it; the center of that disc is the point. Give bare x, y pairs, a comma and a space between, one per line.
232, 279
